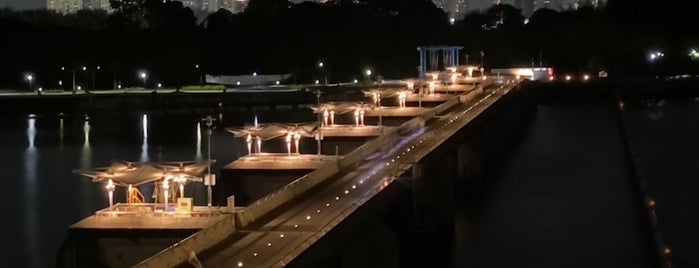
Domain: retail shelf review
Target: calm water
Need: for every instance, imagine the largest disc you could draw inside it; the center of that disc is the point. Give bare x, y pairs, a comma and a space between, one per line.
563, 198
42, 197
576, 214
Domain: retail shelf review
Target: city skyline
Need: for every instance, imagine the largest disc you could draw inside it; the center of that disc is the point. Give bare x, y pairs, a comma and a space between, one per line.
42, 4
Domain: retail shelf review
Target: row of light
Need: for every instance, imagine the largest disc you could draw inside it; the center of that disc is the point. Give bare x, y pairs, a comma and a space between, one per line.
308, 217
656, 55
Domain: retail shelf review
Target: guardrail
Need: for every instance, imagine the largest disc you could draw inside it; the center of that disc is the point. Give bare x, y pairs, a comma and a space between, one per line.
187, 249
271, 201
181, 252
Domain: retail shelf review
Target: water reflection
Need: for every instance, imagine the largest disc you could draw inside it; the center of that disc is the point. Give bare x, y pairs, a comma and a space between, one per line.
31, 159
198, 156
144, 146
61, 130
86, 163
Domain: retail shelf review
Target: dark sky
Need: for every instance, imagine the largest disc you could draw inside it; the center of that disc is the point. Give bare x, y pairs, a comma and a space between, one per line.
32, 4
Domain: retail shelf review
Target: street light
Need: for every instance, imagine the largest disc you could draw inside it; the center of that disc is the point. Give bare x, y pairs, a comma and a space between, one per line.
321, 65
655, 55
143, 76
482, 55
93, 74
694, 54
320, 134
30, 78
211, 180
368, 74
72, 71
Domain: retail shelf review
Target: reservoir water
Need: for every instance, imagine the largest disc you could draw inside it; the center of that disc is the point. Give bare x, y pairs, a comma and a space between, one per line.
562, 199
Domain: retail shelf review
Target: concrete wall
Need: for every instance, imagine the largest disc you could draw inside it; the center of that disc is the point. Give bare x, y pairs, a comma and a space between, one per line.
413, 218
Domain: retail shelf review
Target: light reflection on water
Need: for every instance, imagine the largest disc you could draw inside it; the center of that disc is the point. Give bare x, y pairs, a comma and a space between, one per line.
31, 159
85, 163
144, 145
197, 155
44, 197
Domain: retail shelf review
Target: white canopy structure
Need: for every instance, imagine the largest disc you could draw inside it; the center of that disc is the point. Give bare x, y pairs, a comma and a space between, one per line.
260, 132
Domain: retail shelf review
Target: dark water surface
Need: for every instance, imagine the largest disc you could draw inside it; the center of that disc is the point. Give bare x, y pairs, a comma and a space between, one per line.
42, 197
666, 137
563, 198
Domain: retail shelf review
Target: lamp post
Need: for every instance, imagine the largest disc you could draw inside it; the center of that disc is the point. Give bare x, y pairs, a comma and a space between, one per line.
653, 57
321, 66
199, 73
143, 76
694, 54
72, 72
482, 55
30, 78
368, 75
211, 180
319, 135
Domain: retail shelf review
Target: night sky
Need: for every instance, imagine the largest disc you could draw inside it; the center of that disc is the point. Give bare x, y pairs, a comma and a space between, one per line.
33, 4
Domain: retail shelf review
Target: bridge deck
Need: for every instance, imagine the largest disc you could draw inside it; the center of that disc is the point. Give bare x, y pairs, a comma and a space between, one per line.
285, 235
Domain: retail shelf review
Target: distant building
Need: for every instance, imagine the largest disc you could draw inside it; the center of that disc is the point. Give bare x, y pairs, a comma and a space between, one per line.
526, 6
72, 6
455, 8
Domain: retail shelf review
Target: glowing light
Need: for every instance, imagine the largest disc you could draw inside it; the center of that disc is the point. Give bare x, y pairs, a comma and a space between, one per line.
237, 83
144, 121
277, 82
254, 74
240, 264
308, 217
110, 187
317, 82
586, 77
694, 54
355, 81
368, 72
655, 55
452, 20
320, 64
160, 85
568, 77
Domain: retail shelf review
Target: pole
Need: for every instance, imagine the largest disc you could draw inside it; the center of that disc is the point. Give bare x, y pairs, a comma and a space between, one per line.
380, 121
318, 92
208, 124
73, 73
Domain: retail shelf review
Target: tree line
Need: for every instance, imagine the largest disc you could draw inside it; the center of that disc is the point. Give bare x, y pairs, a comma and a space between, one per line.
166, 40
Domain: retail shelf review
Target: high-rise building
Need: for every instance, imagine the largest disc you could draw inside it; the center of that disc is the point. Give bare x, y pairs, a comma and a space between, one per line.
455, 8
526, 6
72, 6
64, 6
